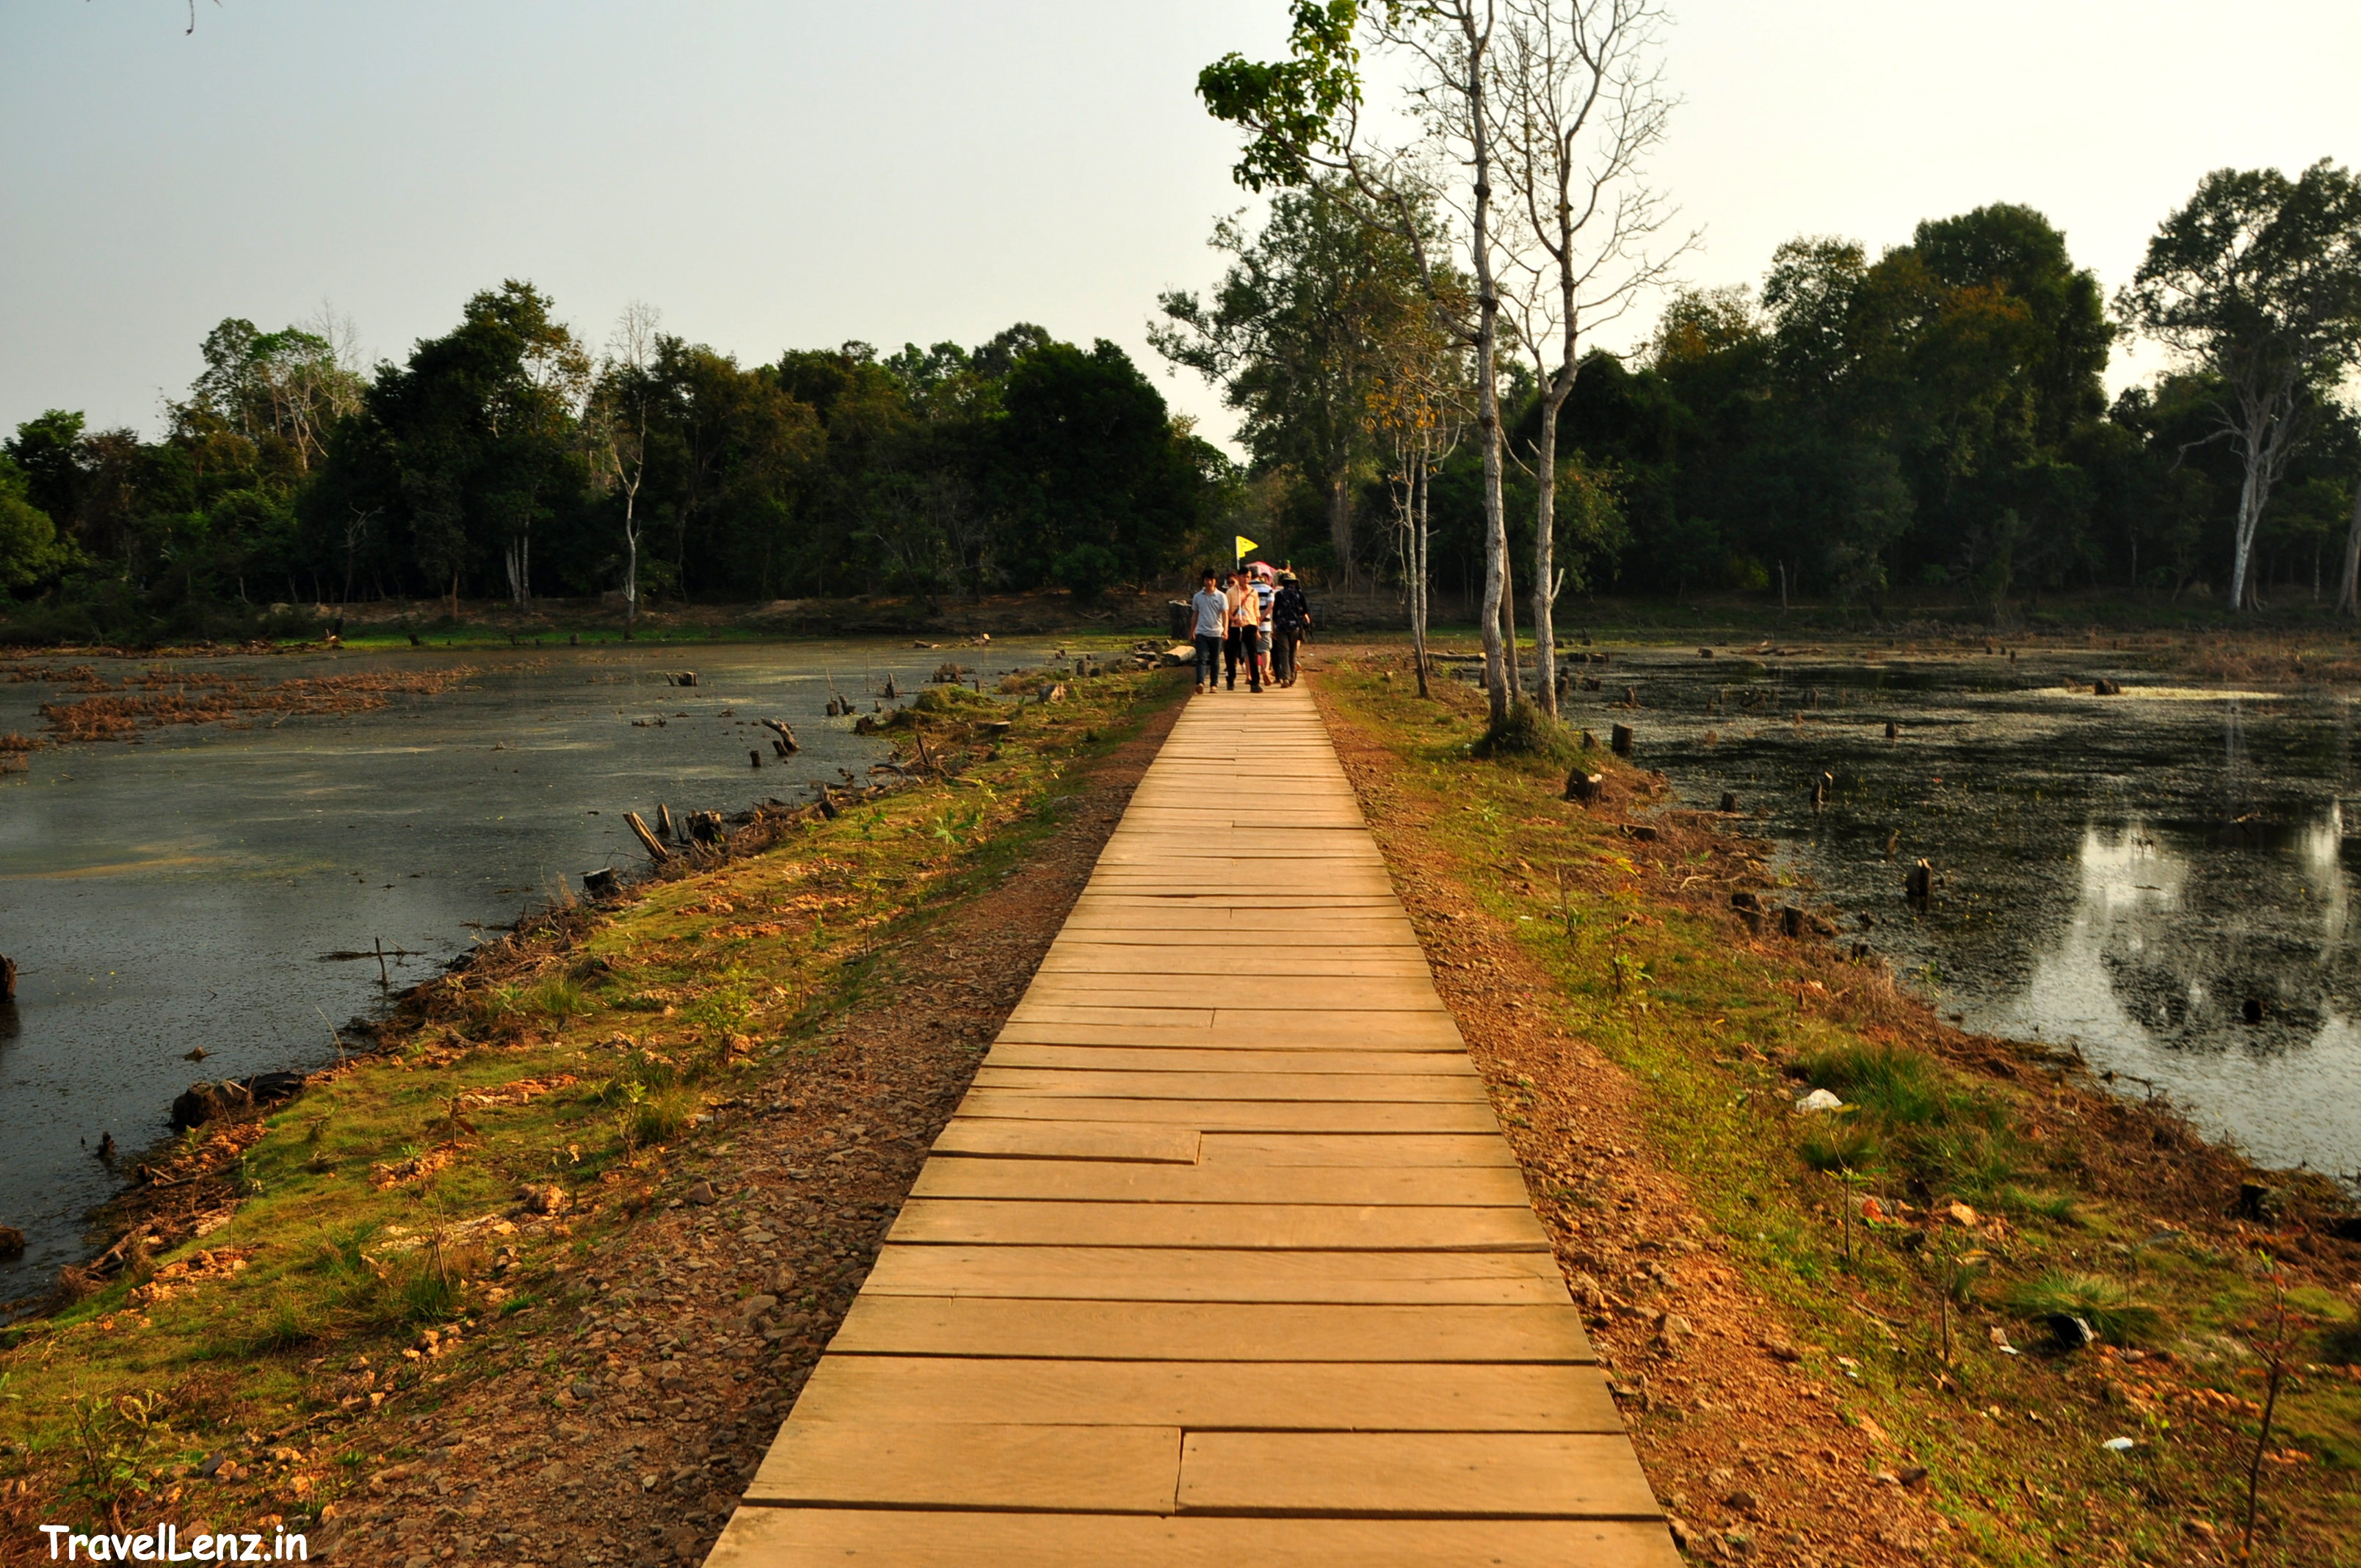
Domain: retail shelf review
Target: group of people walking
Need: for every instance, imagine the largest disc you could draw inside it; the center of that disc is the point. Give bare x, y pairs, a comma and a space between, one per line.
1256, 620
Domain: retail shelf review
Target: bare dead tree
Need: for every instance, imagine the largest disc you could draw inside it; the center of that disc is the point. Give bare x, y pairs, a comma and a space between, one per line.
623, 404
1582, 102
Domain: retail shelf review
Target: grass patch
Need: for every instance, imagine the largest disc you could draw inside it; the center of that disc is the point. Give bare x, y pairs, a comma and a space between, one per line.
1529, 733
2109, 1306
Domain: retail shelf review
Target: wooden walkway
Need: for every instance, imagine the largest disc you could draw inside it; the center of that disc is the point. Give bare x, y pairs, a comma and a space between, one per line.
1223, 1259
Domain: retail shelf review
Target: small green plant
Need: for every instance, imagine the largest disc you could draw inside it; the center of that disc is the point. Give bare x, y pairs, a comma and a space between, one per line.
2109, 1306
1955, 1269
557, 999
120, 1445
660, 1118
1833, 1143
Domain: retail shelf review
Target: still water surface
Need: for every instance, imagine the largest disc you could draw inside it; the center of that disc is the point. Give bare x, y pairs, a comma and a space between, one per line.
177, 893
2123, 874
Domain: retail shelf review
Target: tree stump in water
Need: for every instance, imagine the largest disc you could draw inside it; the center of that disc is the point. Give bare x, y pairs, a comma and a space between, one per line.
8, 978
602, 883
1620, 740
1729, 803
656, 851
1824, 788
755, 759
1893, 731
1920, 885
664, 823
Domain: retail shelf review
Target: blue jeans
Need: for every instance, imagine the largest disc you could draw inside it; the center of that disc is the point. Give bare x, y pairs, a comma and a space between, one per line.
1209, 658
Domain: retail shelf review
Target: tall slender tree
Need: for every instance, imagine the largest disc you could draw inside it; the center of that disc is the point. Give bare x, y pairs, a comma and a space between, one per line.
1302, 114
1583, 102
620, 408
2257, 281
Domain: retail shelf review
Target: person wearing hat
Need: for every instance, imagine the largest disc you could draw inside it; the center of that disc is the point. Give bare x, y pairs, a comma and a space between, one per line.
1258, 578
1290, 619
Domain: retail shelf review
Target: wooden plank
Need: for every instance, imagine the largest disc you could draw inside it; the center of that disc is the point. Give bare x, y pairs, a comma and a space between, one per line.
1304, 1226
1180, 957
1486, 1148
1405, 1031
1238, 1396
1204, 1331
1095, 1181
1274, 1057
1495, 1474
1404, 1088
939, 1464
1261, 1116
1044, 1138
1297, 994
776, 1538
1153, 1274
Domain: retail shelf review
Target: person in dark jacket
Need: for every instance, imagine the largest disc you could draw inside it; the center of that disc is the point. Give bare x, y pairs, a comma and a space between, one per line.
1291, 615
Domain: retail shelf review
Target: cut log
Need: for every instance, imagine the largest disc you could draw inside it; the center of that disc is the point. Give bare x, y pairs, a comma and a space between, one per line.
656, 851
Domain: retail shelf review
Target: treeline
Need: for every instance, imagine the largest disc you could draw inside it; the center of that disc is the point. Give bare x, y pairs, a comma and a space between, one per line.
507, 459
1933, 418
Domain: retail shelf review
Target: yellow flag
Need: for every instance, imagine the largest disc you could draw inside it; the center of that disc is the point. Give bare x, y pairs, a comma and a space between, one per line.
1244, 544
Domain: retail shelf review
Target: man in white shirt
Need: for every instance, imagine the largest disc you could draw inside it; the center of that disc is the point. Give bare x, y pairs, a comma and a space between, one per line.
1211, 628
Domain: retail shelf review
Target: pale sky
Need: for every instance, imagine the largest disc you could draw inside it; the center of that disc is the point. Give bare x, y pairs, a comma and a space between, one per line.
775, 174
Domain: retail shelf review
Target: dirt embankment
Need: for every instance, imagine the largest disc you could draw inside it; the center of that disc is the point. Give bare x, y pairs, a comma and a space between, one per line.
1836, 1337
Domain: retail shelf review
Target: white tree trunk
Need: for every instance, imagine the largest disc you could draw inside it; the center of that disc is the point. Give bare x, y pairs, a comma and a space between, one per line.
1545, 545
1497, 675
2348, 581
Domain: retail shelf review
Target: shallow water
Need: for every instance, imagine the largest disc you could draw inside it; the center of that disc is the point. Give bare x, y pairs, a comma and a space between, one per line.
2120, 874
177, 893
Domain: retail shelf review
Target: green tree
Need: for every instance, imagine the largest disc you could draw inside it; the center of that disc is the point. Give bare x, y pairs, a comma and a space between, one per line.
30, 553
1297, 338
1097, 483
2257, 281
